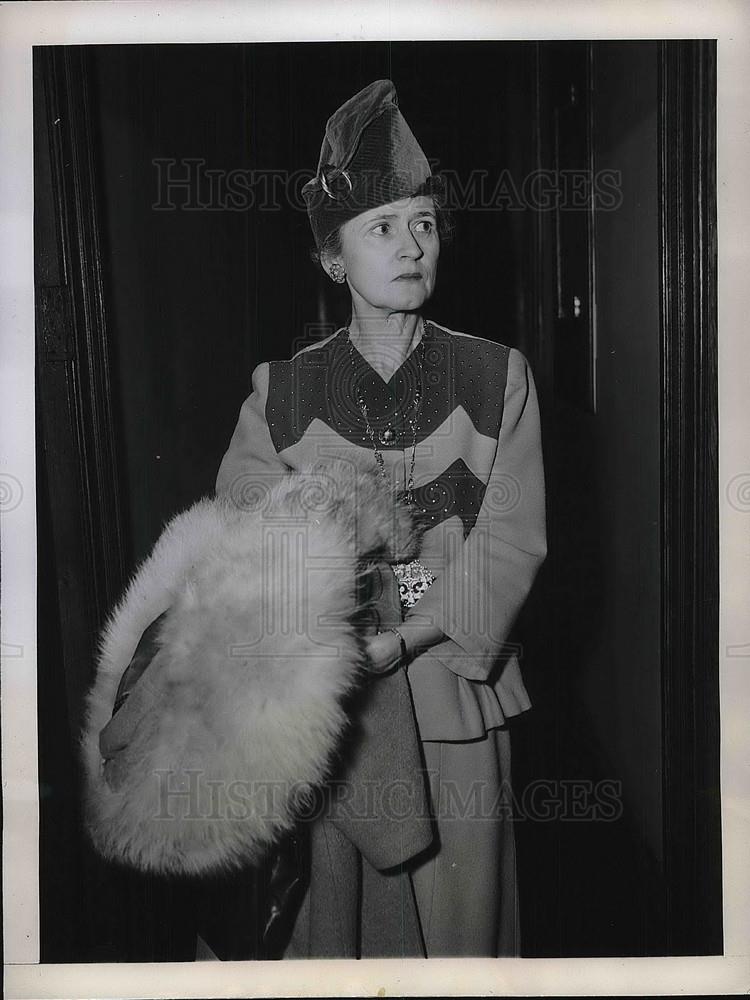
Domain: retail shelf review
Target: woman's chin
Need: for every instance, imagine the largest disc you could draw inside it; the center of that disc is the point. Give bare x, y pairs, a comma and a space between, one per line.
390, 298
408, 299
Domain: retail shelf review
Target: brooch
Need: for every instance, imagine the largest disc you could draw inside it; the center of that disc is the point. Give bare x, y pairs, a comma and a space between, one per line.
414, 578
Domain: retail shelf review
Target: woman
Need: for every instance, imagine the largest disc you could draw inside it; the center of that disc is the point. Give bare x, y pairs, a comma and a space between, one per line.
451, 422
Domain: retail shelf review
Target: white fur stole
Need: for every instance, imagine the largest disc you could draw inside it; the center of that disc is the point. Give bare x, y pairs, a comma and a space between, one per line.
240, 710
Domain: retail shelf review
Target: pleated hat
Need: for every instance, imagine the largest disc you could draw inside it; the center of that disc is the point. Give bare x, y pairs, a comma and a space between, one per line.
369, 157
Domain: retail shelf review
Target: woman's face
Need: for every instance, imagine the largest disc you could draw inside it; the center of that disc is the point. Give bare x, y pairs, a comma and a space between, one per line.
390, 255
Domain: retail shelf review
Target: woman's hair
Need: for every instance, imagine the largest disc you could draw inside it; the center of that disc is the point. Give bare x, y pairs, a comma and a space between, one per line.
434, 187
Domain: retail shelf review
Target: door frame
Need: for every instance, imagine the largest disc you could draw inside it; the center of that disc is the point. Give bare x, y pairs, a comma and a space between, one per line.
690, 496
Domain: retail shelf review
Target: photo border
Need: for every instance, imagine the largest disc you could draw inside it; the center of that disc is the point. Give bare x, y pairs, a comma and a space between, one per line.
23, 25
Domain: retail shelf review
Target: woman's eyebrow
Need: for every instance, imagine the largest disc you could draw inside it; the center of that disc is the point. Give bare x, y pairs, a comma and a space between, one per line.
394, 215
378, 218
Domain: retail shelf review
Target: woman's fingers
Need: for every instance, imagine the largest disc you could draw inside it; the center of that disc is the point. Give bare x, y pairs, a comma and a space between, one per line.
383, 652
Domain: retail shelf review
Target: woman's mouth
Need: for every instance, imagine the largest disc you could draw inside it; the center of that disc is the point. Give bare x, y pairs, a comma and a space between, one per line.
409, 276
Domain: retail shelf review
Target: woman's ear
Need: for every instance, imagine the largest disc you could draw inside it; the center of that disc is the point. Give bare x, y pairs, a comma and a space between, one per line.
334, 269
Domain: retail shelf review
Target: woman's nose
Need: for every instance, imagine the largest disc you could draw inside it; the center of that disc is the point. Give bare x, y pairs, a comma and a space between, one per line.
410, 246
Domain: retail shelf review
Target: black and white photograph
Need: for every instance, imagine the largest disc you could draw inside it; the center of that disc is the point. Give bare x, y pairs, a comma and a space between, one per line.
378, 512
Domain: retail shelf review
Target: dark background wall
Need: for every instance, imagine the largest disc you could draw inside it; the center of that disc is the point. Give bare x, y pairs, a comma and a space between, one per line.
197, 295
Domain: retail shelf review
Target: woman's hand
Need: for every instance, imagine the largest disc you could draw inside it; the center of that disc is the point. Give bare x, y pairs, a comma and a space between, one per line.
383, 651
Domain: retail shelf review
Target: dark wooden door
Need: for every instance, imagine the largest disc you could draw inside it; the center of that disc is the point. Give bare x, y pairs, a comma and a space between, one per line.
622, 631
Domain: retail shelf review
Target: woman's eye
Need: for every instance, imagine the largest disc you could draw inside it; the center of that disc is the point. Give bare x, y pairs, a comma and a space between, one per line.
425, 226
381, 229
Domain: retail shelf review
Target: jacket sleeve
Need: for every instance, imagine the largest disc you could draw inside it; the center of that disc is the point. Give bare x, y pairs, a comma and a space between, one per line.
477, 596
251, 465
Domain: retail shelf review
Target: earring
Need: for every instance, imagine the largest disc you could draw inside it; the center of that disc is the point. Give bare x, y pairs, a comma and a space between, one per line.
337, 273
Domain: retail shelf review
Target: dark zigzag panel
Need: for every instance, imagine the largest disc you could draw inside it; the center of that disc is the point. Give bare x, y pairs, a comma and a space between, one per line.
323, 383
457, 492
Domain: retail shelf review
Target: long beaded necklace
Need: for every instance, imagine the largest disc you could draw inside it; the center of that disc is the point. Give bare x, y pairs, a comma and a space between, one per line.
413, 577
388, 435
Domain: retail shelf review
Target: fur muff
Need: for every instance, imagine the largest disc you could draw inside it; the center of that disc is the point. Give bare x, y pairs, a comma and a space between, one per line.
240, 710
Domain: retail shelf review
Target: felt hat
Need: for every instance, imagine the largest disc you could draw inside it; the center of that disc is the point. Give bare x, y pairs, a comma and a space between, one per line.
369, 157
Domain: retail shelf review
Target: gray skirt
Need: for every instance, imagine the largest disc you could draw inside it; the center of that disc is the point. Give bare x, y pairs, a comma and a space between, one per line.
466, 891
465, 888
